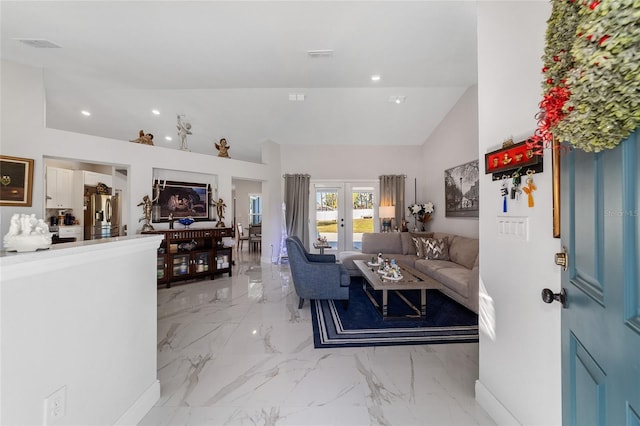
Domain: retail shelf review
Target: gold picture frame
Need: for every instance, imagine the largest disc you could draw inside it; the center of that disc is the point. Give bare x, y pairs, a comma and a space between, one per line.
16, 181
555, 172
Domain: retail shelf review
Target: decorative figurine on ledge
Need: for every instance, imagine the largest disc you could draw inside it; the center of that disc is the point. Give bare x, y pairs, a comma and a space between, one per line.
223, 148
170, 220
146, 203
144, 139
184, 129
26, 233
220, 206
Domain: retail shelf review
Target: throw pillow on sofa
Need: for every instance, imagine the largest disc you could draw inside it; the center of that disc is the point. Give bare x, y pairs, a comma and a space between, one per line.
419, 246
436, 248
411, 243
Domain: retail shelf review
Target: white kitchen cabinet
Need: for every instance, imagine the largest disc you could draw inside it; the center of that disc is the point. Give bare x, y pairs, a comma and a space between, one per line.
59, 188
93, 179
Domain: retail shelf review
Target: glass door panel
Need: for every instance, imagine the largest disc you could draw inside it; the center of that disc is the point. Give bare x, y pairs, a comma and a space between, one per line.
361, 214
202, 262
180, 264
326, 215
160, 268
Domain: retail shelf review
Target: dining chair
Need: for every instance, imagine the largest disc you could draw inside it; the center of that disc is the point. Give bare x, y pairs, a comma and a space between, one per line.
241, 237
255, 237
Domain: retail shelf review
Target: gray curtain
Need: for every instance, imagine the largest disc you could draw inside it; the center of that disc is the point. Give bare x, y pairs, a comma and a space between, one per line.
392, 194
296, 199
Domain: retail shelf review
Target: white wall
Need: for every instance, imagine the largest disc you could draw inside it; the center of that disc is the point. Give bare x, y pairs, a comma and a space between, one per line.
453, 142
356, 163
519, 370
23, 135
272, 199
80, 315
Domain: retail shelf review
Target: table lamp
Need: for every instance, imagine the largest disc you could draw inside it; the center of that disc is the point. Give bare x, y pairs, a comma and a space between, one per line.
386, 213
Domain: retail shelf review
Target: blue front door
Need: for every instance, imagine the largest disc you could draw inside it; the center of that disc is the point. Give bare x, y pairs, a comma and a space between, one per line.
601, 324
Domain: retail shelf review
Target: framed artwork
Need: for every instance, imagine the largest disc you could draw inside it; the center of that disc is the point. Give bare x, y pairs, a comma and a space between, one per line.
16, 181
183, 199
462, 190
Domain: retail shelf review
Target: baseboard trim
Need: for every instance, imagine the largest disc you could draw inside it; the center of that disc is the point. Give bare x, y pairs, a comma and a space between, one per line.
141, 406
493, 407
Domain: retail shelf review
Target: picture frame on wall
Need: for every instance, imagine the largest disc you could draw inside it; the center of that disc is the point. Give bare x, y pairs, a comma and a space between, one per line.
16, 181
462, 190
183, 199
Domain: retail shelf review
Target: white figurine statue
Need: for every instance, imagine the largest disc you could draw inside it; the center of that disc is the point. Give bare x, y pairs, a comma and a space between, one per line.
26, 233
184, 129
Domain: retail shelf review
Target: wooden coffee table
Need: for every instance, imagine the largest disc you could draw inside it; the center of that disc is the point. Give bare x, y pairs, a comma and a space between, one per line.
411, 280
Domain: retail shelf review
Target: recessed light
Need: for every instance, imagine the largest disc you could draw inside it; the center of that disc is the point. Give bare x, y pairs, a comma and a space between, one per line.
396, 99
169, 138
375, 77
85, 113
155, 112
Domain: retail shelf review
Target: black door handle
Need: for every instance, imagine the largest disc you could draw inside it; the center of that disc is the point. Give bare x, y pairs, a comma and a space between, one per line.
549, 296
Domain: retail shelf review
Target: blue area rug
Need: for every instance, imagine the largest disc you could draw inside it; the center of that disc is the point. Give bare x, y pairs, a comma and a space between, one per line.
361, 324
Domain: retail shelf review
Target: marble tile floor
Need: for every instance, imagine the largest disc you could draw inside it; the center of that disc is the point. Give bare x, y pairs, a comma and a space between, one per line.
237, 351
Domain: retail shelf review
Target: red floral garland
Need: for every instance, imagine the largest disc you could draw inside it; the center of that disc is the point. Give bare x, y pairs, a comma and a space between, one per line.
551, 112
586, 58
556, 93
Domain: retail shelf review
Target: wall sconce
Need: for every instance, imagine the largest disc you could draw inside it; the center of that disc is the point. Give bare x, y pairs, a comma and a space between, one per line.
386, 213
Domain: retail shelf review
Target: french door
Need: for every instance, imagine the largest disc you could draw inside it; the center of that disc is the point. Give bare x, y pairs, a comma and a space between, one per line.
341, 212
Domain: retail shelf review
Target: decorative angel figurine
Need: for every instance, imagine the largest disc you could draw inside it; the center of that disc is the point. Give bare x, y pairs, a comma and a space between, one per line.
146, 208
220, 206
145, 139
184, 129
223, 148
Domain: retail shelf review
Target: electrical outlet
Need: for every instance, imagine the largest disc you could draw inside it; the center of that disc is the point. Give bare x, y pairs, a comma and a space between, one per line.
55, 406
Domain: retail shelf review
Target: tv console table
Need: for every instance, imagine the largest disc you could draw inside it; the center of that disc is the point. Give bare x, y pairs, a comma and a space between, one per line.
186, 254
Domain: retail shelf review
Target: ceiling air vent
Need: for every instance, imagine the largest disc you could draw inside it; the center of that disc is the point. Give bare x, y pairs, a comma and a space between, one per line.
320, 53
38, 43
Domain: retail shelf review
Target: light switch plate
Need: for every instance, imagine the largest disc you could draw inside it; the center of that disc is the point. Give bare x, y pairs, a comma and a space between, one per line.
513, 227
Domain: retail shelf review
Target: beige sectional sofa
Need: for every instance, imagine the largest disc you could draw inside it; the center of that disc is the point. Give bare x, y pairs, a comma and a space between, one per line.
459, 275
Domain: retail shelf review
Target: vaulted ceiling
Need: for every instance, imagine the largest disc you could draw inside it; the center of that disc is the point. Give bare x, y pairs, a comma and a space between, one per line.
231, 67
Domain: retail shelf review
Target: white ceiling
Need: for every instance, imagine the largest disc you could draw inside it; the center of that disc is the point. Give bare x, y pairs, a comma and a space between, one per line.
230, 66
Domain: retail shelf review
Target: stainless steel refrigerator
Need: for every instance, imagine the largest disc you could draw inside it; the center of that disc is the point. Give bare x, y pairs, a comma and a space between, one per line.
101, 216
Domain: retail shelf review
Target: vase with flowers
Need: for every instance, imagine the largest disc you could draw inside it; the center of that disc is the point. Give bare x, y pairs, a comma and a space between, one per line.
421, 213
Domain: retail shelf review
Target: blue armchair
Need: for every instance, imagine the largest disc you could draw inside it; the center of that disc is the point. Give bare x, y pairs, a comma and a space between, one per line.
316, 276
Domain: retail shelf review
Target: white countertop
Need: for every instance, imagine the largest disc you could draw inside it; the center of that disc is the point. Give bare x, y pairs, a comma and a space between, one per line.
78, 247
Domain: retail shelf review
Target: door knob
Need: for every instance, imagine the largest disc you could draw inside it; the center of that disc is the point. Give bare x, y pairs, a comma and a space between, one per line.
549, 296
561, 259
